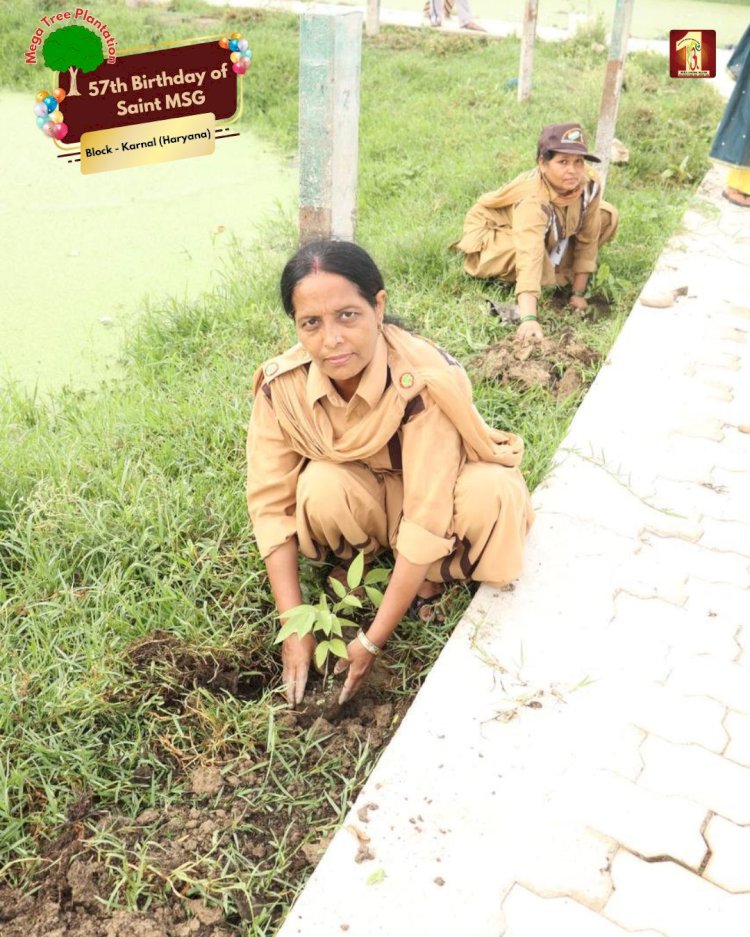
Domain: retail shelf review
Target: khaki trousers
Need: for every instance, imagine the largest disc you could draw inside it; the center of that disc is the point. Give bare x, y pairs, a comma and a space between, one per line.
498, 259
347, 508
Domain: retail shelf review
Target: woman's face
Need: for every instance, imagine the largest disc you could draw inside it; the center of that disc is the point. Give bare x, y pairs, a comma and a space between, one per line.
564, 171
337, 326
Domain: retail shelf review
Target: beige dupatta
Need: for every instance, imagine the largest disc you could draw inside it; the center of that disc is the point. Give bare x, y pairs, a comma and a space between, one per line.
415, 364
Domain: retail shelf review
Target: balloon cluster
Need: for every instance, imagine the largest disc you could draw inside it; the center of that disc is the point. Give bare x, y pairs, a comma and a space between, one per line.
240, 52
49, 117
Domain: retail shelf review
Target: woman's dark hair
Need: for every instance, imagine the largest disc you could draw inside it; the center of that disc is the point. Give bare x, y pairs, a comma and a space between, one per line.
546, 156
341, 257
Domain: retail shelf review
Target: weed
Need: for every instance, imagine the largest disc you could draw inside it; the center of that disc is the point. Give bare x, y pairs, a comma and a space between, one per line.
678, 173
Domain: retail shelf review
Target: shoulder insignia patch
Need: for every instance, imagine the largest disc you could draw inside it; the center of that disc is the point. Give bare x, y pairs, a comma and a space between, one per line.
406, 380
270, 369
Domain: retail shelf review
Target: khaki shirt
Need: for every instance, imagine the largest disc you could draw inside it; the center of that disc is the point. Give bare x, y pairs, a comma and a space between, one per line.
426, 451
521, 225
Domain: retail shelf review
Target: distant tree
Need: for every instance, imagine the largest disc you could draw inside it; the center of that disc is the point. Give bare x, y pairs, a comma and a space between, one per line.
70, 48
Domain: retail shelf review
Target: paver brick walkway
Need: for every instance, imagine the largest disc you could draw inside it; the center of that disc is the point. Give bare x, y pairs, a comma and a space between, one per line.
578, 761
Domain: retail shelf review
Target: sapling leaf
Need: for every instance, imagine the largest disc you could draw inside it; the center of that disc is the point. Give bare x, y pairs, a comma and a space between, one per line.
345, 622
374, 595
306, 625
336, 625
298, 620
339, 648
286, 631
376, 575
377, 876
354, 573
338, 587
299, 610
324, 622
321, 652
351, 601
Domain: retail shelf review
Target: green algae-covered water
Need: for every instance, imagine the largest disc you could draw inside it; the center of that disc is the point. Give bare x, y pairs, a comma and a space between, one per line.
83, 255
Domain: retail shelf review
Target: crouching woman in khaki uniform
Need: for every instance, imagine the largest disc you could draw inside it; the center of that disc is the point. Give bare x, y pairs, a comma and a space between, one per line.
544, 228
364, 437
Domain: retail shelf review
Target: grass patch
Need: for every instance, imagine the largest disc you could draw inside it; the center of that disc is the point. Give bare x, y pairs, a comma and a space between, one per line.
122, 519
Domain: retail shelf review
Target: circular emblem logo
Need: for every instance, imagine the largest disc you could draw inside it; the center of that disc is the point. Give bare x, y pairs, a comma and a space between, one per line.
271, 369
406, 380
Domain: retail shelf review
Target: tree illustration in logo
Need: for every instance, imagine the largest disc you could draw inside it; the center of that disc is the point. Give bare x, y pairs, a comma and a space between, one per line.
71, 48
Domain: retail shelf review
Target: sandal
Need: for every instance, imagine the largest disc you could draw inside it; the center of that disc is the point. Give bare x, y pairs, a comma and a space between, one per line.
741, 199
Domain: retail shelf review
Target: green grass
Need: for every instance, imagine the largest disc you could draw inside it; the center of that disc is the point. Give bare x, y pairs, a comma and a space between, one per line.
122, 511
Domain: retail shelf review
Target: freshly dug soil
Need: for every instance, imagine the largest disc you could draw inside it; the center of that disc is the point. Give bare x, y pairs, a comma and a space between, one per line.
67, 896
557, 364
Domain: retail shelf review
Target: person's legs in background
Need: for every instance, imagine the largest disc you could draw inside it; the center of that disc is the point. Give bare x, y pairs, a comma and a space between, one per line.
466, 17
738, 186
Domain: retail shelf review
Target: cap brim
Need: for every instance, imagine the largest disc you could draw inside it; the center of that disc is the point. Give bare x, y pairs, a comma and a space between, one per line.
591, 158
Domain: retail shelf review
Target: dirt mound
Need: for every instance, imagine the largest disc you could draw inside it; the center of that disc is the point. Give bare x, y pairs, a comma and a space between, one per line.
168, 663
560, 364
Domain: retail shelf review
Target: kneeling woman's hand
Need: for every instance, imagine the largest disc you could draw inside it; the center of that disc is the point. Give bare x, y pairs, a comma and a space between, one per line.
578, 302
529, 331
360, 663
296, 654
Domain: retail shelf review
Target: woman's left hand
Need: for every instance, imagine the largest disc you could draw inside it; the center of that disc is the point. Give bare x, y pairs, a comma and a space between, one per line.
360, 663
578, 302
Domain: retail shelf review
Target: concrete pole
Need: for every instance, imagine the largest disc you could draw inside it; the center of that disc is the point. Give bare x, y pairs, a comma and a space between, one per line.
618, 50
528, 38
330, 64
372, 23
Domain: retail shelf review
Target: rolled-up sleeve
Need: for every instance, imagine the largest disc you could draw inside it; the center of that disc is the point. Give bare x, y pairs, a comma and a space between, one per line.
432, 455
587, 239
529, 231
272, 472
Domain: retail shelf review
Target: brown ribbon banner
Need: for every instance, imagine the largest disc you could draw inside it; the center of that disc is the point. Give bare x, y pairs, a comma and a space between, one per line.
151, 86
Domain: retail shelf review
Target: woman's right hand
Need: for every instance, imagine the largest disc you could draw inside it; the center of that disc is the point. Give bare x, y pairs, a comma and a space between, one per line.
529, 332
296, 654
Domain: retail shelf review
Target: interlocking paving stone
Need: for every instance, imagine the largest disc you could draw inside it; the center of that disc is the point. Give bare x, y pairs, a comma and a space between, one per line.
693, 628
729, 865
698, 775
701, 675
735, 486
726, 536
674, 901
557, 857
701, 501
610, 501
737, 726
646, 822
670, 559
718, 602
528, 915
684, 720
702, 427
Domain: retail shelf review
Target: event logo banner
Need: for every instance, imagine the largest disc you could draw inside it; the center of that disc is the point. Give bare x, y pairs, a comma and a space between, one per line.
692, 53
151, 86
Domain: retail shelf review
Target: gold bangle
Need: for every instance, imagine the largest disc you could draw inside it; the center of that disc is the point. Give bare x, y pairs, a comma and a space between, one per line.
367, 644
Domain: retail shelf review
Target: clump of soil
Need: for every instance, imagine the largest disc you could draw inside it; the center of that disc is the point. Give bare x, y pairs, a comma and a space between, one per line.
558, 363
177, 666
